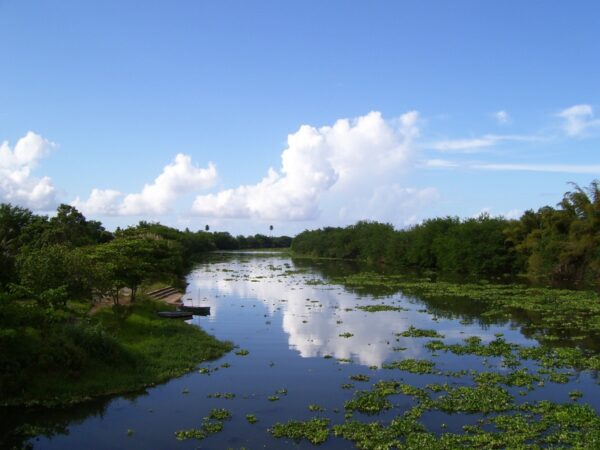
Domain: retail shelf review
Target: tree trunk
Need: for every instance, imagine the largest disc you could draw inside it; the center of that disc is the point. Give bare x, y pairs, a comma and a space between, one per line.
115, 296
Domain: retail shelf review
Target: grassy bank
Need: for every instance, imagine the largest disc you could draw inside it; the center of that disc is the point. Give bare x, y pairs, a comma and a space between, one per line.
62, 357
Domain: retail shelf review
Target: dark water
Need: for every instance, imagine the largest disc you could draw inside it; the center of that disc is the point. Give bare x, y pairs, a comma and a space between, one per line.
288, 318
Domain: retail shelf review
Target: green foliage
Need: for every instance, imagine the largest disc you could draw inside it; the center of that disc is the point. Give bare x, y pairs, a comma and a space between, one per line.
563, 245
67, 250
53, 273
447, 244
418, 333
552, 314
419, 366
62, 356
553, 245
70, 227
35, 341
224, 395
365, 240
262, 241
315, 430
368, 402
376, 436
13, 220
359, 377
129, 260
482, 399
219, 414
380, 308
208, 427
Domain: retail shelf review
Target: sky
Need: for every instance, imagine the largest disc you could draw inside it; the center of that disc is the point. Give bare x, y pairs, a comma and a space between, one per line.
296, 114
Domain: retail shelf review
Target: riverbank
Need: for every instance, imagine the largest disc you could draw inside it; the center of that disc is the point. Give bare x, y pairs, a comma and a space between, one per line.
346, 358
116, 351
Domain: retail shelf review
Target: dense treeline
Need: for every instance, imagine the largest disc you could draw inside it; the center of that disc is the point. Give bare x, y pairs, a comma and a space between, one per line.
68, 256
52, 270
556, 245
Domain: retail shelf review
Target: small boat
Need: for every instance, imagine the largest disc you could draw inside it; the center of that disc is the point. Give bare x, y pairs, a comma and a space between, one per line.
196, 310
175, 314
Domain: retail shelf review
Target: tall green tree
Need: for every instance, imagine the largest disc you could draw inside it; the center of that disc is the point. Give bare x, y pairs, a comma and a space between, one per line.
13, 220
129, 261
53, 274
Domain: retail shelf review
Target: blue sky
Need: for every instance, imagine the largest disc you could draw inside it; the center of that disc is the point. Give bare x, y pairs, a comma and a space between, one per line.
298, 114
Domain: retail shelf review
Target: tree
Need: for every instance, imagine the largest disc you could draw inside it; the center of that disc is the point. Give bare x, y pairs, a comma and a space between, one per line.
13, 220
68, 227
225, 241
206, 228
54, 273
579, 256
128, 261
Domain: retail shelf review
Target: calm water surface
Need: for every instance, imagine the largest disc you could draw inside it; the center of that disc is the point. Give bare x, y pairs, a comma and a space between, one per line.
289, 318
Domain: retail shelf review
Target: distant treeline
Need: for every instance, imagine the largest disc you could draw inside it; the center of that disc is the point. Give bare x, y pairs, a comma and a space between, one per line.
553, 244
70, 257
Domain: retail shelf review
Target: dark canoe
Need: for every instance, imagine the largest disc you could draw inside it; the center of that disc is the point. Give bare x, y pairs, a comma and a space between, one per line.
196, 310
175, 314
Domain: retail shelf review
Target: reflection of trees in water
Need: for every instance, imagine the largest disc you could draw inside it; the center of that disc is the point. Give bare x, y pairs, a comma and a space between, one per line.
18, 425
330, 268
449, 307
526, 321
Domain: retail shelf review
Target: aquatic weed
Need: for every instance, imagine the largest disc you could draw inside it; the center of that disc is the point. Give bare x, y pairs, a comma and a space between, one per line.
315, 430
419, 333
420, 366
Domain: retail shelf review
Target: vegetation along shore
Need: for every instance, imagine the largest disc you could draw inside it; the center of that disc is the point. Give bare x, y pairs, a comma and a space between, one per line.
57, 343
76, 321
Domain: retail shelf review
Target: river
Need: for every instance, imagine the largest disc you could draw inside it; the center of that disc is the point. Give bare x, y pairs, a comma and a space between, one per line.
300, 341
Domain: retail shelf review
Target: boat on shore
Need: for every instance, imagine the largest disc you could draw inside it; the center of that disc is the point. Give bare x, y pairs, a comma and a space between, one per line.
196, 310
175, 314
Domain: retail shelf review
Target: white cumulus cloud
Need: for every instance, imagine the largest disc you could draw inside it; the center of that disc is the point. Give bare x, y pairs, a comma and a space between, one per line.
390, 203
17, 184
100, 201
179, 177
331, 159
578, 119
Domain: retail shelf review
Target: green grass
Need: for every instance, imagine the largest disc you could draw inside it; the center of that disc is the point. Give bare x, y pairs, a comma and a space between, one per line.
151, 350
